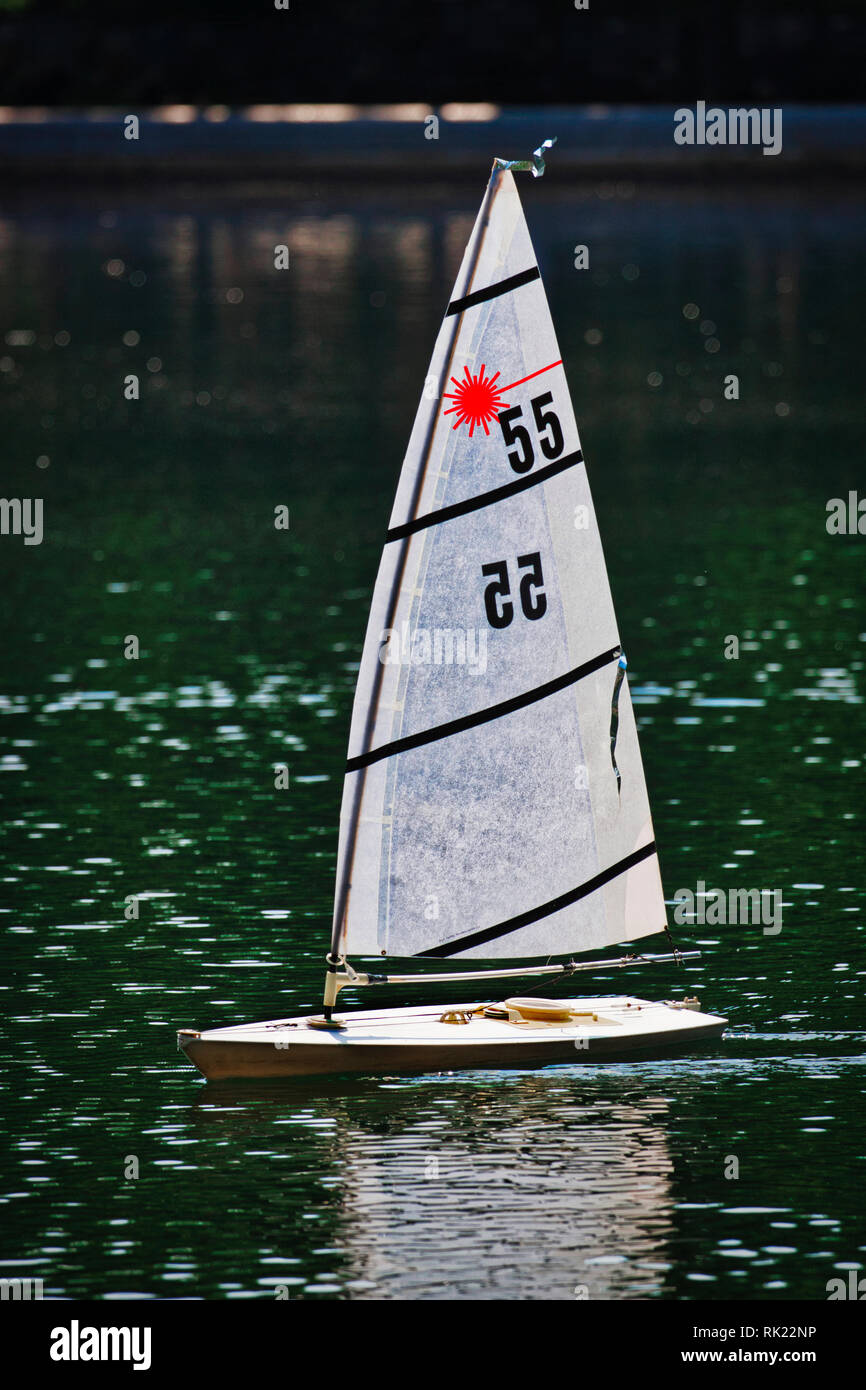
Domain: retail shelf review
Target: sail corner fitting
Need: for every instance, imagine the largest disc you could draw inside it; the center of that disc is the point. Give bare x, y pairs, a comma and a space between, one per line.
535, 164
339, 973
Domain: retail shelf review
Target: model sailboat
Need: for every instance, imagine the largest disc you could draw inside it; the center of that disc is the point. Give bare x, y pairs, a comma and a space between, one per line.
494, 804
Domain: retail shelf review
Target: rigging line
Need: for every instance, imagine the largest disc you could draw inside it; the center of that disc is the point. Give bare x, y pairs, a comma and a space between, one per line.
540, 371
514, 282
343, 885
614, 718
484, 499
535, 914
482, 716
678, 954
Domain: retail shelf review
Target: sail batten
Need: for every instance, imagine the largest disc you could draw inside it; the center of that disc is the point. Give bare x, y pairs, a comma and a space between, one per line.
583, 890
514, 282
483, 812
471, 721
484, 499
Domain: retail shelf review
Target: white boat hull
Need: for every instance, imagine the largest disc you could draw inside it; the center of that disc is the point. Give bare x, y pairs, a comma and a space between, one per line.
419, 1040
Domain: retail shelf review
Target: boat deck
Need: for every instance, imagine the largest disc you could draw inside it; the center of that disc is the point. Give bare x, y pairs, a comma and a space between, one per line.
420, 1039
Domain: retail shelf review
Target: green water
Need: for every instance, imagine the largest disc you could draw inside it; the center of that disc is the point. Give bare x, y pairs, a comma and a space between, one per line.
155, 777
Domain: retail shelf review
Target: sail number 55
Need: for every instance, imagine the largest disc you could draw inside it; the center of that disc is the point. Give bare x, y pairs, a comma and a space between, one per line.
547, 424
497, 596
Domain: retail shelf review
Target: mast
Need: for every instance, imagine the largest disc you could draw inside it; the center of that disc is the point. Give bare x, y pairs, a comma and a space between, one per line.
345, 880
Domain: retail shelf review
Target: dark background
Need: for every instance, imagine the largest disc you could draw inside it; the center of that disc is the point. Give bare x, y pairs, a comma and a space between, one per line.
155, 777
70, 52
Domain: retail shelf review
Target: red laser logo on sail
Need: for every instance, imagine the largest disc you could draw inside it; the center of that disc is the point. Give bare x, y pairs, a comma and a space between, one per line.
478, 400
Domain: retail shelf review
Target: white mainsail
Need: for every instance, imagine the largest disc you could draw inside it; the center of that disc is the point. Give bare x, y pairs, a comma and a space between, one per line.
484, 811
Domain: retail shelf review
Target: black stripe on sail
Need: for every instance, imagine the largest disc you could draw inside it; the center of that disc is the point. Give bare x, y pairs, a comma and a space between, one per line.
485, 499
535, 914
483, 716
523, 277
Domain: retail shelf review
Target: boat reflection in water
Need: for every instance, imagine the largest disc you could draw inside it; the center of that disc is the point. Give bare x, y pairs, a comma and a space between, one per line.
527, 1187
